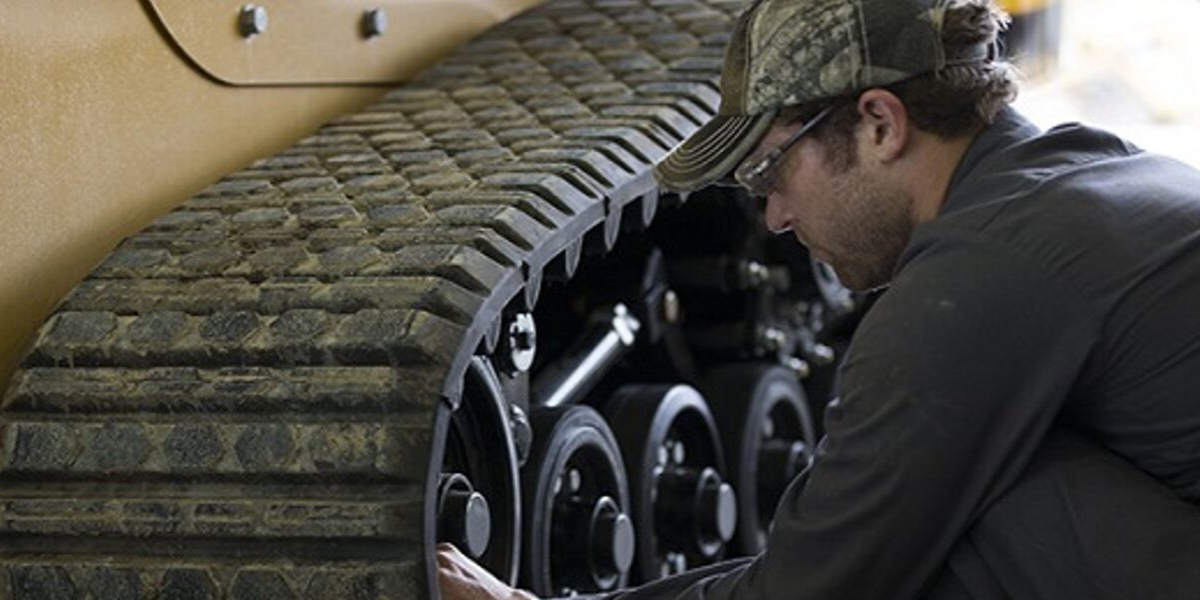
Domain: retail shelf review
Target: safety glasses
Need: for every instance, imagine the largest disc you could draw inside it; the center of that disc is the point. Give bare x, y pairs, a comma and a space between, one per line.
757, 174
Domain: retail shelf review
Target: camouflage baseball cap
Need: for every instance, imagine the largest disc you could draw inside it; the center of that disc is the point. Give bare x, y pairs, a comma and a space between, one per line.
791, 52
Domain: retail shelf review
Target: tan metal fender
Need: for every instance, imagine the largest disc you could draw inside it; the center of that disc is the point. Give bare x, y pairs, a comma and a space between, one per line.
322, 42
106, 121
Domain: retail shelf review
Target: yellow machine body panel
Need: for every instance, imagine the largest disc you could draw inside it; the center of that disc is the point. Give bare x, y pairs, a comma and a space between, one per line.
116, 111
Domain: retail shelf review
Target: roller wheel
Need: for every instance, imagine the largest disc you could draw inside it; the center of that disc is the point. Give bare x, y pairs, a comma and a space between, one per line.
579, 537
767, 428
683, 509
478, 499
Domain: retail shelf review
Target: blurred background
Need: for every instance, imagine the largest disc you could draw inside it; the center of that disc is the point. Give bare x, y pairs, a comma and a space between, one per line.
1129, 66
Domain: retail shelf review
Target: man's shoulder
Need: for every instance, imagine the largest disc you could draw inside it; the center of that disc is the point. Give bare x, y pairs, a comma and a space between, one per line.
1087, 214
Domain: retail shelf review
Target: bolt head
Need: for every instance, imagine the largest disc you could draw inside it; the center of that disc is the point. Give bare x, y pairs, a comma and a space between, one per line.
671, 307
253, 20
678, 453
772, 339
522, 341
756, 273
375, 22
823, 355
678, 562
801, 368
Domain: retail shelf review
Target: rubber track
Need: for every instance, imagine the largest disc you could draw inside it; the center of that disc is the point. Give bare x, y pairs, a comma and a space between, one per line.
242, 401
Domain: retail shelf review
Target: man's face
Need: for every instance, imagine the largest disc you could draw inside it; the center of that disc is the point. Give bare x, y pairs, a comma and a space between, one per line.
850, 216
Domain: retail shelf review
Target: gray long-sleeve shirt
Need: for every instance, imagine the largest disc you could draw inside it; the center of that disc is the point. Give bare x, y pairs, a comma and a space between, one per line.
1059, 285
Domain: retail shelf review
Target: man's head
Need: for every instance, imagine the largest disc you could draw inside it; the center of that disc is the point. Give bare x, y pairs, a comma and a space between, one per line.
884, 83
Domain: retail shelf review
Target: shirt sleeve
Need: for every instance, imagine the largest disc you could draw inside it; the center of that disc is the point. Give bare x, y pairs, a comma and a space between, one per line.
950, 384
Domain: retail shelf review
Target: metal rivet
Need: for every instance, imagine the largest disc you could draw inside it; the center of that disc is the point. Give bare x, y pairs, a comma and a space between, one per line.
252, 20
678, 453
663, 456
801, 368
375, 22
672, 309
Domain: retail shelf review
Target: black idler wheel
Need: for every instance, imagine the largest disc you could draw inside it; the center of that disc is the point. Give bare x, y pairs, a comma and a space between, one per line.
767, 428
479, 493
579, 537
683, 509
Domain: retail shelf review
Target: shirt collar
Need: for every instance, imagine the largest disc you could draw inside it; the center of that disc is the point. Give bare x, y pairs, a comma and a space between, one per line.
1009, 129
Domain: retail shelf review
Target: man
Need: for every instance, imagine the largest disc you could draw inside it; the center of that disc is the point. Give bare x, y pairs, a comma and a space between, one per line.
1020, 411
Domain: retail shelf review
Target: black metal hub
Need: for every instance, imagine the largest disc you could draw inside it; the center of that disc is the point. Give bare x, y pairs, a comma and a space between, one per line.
598, 530
464, 518
478, 496
696, 511
611, 538
765, 423
684, 511
579, 537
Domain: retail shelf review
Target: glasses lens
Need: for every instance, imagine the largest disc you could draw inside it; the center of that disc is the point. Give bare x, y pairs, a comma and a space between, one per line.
752, 175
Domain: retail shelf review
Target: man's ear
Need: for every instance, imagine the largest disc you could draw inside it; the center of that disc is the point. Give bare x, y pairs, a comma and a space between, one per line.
885, 125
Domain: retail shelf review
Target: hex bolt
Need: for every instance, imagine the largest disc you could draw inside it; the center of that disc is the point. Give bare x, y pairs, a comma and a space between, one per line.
800, 367
521, 342
678, 562
678, 452
574, 481
252, 20
754, 273
375, 22
771, 339
663, 455
820, 354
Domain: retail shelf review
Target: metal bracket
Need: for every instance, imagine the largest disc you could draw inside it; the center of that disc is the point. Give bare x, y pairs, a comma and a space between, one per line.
283, 42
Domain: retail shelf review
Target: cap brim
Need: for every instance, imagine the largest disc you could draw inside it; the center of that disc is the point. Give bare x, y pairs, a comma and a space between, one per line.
713, 152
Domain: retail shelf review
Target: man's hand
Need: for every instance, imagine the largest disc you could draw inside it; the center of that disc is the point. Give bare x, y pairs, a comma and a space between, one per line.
462, 579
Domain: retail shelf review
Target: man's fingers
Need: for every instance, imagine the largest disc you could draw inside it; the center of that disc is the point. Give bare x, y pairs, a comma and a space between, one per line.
445, 554
451, 560
461, 578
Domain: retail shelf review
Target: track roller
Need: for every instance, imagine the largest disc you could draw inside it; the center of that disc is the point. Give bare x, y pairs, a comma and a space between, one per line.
578, 535
683, 509
479, 495
767, 428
